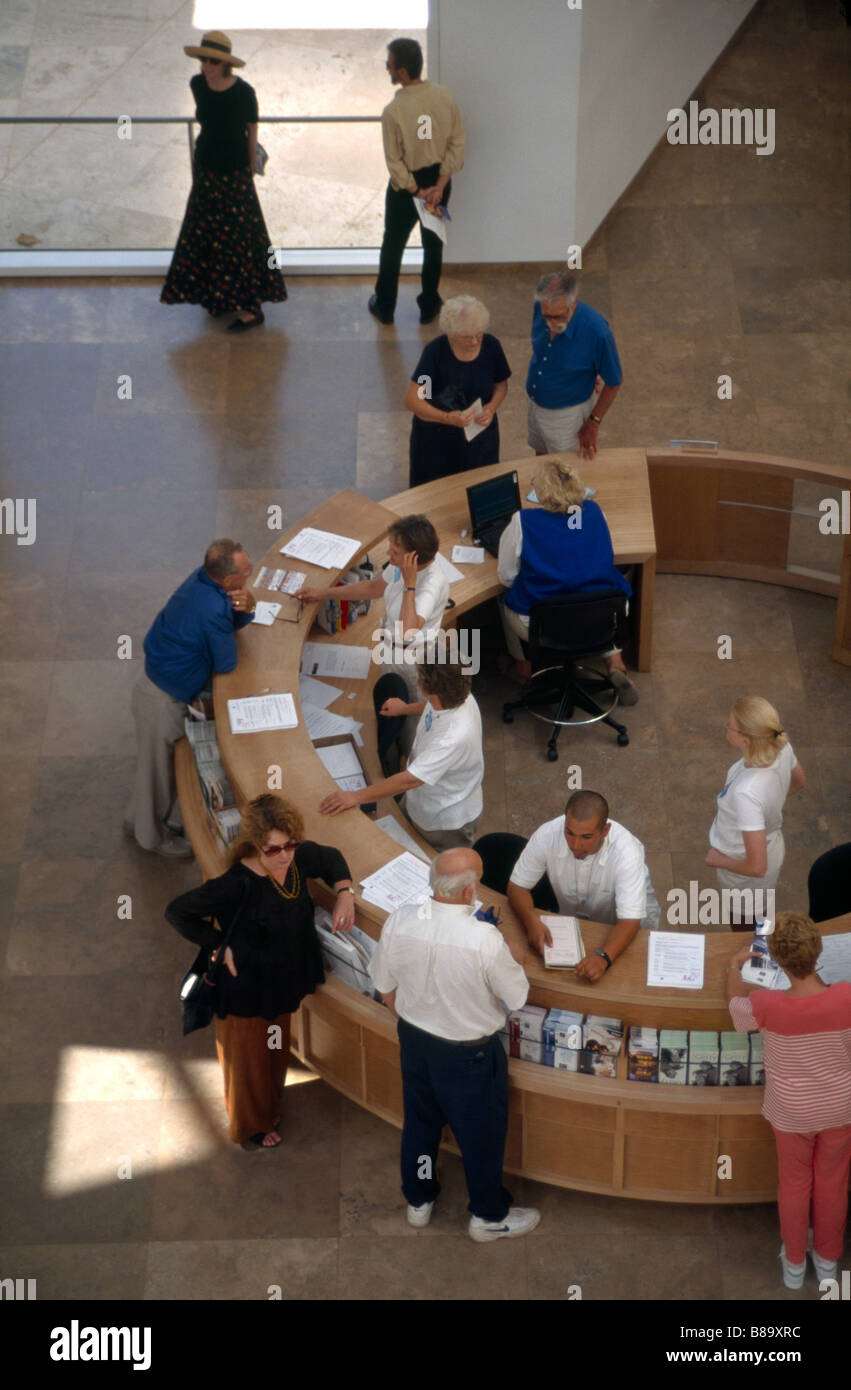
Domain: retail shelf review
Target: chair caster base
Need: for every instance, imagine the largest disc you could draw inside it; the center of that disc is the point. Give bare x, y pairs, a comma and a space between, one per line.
552, 753
623, 740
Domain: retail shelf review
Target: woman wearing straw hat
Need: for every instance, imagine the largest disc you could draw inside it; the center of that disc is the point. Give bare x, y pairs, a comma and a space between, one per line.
222, 256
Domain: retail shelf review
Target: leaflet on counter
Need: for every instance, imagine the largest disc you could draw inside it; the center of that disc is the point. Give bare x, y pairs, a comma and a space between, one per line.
335, 659
343, 763
321, 548
675, 959
257, 713
567, 949
404, 879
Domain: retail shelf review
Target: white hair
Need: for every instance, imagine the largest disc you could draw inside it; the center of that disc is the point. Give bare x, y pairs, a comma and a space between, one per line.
452, 886
558, 284
463, 314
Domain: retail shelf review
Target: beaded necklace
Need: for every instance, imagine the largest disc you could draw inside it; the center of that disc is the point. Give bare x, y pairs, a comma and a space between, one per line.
282, 888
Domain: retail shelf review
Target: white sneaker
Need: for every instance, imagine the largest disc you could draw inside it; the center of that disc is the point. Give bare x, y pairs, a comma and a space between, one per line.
420, 1216
825, 1269
518, 1222
793, 1275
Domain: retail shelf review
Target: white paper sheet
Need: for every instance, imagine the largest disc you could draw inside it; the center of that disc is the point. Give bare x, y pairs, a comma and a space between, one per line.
452, 574
567, 949
259, 712
266, 613
676, 959
391, 826
468, 554
332, 659
321, 548
472, 430
402, 880
323, 723
342, 762
429, 219
317, 692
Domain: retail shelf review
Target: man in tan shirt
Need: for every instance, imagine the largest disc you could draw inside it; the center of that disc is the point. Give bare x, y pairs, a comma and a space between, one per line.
423, 147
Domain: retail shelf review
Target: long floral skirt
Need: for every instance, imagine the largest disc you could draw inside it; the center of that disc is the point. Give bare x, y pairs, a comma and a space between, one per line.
223, 259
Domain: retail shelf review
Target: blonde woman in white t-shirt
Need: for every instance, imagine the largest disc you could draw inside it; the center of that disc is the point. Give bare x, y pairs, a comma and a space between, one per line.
746, 838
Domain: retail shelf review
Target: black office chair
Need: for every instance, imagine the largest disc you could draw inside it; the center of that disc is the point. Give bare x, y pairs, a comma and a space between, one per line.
829, 884
499, 853
561, 630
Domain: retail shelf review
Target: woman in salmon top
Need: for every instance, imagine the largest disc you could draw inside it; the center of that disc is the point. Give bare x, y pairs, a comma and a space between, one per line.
806, 1032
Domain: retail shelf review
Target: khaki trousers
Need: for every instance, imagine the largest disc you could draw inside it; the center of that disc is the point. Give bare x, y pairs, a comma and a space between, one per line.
254, 1073
159, 724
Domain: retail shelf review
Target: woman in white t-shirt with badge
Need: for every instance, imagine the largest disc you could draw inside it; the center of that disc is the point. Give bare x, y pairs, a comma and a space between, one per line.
746, 838
415, 592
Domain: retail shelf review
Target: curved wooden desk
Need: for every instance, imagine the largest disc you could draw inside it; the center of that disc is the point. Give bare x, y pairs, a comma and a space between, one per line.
613, 1136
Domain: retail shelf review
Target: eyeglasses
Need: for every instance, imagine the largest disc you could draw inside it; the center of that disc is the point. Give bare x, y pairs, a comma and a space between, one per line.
280, 849
212, 62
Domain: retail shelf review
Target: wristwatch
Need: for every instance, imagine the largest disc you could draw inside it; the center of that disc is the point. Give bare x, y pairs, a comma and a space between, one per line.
596, 419
348, 889
600, 952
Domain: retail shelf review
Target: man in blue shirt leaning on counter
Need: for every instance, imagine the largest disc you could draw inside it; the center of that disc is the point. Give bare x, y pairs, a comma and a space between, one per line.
572, 346
189, 641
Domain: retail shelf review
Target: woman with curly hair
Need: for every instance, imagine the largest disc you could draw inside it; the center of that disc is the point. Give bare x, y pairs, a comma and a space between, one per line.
273, 958
222, 256
806, 1033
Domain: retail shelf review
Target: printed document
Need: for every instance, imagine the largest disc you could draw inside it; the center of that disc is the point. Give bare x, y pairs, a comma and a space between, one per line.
317, 692
471, 430
321, 548
567, 949
266, 613
331, 659
430, 220
468, 554
405, 879
260, 712
675, 959
447, 568
343, 763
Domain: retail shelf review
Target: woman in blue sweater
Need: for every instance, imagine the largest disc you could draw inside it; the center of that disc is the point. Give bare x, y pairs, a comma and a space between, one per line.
561, 548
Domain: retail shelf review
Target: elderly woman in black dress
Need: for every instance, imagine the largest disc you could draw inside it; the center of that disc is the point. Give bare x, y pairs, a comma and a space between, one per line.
221, 259
273, 958
460, 380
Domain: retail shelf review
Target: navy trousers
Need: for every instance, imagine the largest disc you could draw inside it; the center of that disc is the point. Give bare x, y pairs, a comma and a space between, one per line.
400, 218
466, 1088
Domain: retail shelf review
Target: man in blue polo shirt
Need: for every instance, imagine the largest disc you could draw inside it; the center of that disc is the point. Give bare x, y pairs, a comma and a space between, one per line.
190, 640
571, 346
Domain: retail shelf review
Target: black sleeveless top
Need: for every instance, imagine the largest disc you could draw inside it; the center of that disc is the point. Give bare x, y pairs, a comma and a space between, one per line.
223, 142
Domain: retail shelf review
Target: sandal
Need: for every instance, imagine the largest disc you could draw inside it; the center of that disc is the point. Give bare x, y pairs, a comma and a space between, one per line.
258, 1141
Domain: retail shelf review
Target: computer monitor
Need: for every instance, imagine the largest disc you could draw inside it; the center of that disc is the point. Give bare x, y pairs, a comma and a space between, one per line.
493, 501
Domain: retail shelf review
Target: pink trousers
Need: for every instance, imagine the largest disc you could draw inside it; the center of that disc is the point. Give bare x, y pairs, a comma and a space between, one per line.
813, 1170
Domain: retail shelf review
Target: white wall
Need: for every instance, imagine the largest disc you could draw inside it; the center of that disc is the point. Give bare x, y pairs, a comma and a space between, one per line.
562, 107
640, 58
513, 67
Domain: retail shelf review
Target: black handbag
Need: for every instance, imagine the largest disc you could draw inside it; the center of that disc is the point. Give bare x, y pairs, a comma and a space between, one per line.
198, 992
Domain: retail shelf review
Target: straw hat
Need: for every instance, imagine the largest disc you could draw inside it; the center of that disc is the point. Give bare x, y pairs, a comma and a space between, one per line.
214, 45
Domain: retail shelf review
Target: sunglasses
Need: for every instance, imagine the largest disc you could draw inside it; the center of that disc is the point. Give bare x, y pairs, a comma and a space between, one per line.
212, 62
280, 849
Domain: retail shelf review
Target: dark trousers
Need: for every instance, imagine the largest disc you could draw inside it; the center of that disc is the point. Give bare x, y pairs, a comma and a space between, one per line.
389, 727
400, 218
466, 1088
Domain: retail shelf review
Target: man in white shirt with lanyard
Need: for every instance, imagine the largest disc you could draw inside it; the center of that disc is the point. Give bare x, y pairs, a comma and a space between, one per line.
443, 779
450, 979
597, 870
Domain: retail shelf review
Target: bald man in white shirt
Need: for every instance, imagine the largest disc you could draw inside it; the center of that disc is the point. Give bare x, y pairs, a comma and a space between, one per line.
450, 978
597, 870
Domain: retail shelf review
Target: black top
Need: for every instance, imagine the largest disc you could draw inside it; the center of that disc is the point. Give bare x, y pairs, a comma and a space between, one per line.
437, 451
455, 385
223, 142
274, 943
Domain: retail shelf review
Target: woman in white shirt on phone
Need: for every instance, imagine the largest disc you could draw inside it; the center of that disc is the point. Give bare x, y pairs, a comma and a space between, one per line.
746, 838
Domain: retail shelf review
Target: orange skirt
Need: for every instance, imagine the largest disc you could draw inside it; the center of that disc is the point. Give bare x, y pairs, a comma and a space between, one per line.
254, 1068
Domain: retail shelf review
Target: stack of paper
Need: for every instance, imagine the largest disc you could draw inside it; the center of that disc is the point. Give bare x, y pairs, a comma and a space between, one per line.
404, 879
329, 659
323, 723
342, 762
567, 949
321, 548
261, 712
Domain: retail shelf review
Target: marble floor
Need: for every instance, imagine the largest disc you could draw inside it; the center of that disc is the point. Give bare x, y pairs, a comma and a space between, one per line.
112, 1126
77, 186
